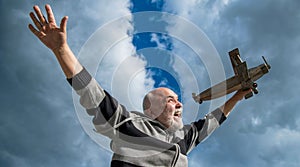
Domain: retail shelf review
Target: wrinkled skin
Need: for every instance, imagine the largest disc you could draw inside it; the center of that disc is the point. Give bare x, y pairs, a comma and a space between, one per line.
165, 108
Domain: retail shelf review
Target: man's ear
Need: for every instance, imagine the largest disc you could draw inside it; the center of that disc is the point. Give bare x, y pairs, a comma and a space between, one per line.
149, 113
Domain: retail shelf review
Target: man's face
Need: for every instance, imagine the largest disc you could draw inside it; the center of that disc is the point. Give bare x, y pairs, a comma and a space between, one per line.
170, 114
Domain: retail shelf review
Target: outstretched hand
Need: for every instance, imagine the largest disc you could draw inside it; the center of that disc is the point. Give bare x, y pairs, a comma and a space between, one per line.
228, 106
47, 31
55, 38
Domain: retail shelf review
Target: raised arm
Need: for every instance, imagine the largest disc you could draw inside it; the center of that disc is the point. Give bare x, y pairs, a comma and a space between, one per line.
229, 105
55, 38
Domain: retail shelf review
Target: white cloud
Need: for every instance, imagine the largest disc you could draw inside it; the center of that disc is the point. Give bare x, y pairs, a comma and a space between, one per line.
130, 83
156, 39
86, 17
255, 121
198, 56
105, 10
277, 147
203, 12
206, 14
164, 82
110, 51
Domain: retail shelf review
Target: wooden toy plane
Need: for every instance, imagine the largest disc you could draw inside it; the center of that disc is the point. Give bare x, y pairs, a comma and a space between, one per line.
243, 79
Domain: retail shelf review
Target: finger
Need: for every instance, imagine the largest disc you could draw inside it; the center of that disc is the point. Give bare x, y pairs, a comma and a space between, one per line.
34, 31
50, 14
39, 14
63, 24
35, 21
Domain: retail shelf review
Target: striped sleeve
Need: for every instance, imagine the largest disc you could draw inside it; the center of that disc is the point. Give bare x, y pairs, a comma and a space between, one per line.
209, 124
98, 103
91, 94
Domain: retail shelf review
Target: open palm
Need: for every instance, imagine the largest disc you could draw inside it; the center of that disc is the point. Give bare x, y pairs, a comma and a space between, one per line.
47, 31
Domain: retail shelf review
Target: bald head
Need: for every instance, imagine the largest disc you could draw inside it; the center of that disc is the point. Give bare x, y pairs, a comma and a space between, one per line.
162, 104
152, 96
154, 102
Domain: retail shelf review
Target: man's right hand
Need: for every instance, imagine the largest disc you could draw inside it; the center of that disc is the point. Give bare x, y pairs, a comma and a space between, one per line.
47, 31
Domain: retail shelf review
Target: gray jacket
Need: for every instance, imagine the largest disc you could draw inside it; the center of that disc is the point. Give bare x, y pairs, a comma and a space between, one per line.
136, 139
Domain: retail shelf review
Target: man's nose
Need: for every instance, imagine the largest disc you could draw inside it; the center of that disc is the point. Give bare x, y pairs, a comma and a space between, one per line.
178, 105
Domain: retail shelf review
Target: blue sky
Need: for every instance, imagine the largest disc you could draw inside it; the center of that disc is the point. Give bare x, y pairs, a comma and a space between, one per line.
40, 121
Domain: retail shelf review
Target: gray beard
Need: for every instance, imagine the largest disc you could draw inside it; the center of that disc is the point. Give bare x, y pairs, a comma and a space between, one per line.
175, 126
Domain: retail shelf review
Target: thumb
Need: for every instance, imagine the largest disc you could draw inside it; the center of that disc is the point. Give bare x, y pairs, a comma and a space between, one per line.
63, 24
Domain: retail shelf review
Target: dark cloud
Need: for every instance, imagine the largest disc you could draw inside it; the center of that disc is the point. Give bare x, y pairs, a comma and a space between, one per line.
38, 124
269, 28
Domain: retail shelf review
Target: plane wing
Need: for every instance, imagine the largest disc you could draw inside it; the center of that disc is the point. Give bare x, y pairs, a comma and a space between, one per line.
241, 72
235, 60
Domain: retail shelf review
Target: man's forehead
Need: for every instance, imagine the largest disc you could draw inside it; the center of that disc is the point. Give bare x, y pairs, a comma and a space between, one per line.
173, 97
165, 92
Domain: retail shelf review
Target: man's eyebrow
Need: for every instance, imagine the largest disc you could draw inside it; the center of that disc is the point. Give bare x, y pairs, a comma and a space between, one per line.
173, 97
